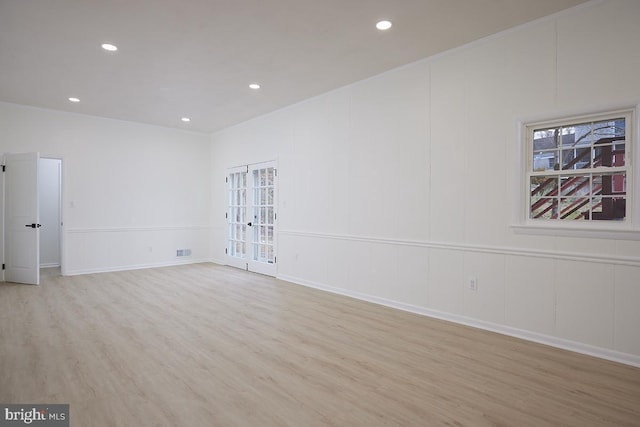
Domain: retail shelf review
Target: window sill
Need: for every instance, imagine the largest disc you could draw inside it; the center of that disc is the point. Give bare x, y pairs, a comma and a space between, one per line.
592, 231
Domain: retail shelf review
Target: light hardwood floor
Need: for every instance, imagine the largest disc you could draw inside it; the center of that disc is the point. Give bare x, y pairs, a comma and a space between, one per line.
205, 345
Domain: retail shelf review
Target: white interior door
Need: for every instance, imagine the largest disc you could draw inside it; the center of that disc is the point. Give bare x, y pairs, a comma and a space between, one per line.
237, 203
22, 231
252, 218
262, 218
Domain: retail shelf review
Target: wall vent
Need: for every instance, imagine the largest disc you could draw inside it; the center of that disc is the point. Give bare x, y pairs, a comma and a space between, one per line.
183, 252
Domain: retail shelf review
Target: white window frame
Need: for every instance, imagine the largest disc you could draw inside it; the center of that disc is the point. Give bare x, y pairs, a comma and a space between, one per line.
627, 229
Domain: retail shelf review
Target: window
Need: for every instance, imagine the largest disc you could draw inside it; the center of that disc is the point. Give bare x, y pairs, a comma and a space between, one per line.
579, 170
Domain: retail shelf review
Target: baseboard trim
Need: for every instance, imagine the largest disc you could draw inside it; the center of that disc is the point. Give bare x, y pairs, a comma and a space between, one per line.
599, 352
133, 267
50, 265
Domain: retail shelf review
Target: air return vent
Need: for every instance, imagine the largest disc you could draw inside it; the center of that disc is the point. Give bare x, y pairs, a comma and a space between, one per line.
183, 252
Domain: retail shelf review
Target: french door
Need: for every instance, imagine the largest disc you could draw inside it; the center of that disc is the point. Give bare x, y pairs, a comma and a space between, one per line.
252, 218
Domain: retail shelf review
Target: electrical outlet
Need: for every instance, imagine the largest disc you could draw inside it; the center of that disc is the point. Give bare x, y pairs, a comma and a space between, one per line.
473, 284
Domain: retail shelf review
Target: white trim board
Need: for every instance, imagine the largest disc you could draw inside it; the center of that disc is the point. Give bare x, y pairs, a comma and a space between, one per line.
602, 353
467, 247
130, 229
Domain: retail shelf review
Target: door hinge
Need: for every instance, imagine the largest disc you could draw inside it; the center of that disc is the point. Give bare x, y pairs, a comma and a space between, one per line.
225, 250
3, 267
226, 215
275, 215
4, 168
226, 179
275, 259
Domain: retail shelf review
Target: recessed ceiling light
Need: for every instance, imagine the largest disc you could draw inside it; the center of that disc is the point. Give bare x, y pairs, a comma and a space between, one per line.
185, 119
254, 86
110, 47
72, 99
384, 25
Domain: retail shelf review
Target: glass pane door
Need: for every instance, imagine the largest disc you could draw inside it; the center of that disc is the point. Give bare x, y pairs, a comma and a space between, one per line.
263, 209
237, 217
251, 218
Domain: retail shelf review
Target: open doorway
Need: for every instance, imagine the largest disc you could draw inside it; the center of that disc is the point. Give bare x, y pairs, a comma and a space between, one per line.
50, 209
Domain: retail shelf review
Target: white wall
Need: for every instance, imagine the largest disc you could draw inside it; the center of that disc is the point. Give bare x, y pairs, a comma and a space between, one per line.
398, 188
132, 193
49, 191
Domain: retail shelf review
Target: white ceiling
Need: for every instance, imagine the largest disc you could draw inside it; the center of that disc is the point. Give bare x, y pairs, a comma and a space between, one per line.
195, 58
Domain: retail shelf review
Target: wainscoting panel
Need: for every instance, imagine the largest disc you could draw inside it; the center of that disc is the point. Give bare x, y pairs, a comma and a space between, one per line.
576, 301
112, 249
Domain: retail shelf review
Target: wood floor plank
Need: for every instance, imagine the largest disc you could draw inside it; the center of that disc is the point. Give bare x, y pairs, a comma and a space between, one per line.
209, 345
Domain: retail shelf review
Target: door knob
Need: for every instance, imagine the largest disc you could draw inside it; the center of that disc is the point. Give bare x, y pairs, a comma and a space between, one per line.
249, 224
34, 225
